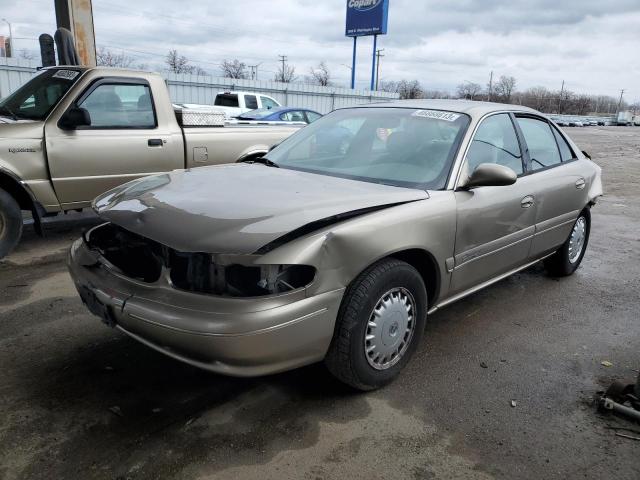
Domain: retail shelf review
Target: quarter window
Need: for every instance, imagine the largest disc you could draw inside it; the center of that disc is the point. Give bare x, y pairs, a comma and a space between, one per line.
120, 106
543, 149
495, 141
565, 150
268, 102
313, 116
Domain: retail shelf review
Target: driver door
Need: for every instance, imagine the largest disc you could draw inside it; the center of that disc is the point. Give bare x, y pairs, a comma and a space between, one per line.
495, 224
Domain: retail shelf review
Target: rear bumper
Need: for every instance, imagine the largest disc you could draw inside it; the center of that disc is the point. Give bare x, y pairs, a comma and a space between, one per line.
232, 336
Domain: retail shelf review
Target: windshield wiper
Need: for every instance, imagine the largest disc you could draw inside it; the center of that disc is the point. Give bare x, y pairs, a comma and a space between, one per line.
10, 112
264, 161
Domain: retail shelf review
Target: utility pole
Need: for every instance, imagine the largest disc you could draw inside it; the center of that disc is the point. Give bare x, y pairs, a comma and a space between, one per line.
560, 99
283, 59
254, 71
490, 86
620, 101
378, 56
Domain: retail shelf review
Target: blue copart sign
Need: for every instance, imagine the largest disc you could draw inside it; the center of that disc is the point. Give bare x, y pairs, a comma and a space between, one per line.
366, 17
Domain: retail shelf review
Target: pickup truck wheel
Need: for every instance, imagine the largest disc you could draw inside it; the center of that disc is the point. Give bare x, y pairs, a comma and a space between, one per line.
10, 223
567, 259
380, 323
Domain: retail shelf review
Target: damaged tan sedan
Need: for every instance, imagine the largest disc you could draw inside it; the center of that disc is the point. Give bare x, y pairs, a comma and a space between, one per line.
338, 244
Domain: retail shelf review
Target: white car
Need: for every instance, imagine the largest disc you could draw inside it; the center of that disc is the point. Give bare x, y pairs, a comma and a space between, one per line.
235, 103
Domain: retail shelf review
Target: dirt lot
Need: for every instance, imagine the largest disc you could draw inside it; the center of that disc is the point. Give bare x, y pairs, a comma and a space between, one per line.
78, 400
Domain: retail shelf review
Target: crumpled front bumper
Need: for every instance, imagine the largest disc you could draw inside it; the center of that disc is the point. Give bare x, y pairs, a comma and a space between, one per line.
232, 336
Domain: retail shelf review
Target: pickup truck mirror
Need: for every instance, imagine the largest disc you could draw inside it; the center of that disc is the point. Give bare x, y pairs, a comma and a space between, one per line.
74, 118
491, 175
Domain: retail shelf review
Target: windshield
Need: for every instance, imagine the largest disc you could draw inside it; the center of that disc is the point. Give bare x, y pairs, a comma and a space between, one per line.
261, 113
395, 146
36, 98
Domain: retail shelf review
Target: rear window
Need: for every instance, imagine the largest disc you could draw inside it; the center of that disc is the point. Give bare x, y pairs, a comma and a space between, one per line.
226, 100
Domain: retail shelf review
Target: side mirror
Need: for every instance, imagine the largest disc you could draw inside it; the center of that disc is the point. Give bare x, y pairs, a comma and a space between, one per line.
491, 175
74, 118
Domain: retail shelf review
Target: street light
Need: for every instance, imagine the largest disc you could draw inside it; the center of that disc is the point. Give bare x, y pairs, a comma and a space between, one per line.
10, 37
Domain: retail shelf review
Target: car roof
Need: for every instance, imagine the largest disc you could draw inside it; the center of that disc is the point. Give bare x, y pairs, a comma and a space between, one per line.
470, 107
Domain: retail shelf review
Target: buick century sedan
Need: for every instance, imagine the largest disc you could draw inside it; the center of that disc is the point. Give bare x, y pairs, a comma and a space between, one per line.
337, 251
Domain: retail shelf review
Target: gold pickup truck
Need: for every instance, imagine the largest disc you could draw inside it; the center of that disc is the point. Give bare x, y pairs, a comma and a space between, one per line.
72, 133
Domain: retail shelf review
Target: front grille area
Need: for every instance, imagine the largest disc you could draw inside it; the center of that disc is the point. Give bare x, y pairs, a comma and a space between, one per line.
143, 259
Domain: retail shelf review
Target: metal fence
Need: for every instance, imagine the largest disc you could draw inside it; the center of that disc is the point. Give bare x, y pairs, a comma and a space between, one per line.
13, 73
203, 90
185, 88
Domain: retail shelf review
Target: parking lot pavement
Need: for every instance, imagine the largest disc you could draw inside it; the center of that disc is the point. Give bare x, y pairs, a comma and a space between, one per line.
78, 400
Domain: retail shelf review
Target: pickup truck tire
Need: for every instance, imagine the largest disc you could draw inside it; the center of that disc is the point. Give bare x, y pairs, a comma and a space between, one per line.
372, 341
10, 223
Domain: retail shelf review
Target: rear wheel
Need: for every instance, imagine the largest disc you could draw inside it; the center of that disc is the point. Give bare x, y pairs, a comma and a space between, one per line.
380, 323
567, 259
10, 223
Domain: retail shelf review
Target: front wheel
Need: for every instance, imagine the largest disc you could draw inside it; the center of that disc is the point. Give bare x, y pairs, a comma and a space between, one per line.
10, 223
567, 259
380, 323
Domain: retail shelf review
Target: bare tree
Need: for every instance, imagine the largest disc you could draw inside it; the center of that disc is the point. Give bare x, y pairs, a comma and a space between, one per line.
180, 64
321, 75
410, 89
234, 69
469, 90
504, 88
405, 88
285, 74
107, 58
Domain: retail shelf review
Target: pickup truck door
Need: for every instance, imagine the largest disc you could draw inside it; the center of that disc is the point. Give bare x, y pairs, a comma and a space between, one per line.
495, 224
126, 139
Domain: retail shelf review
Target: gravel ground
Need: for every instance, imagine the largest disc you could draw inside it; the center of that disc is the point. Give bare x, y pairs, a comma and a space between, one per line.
78, 400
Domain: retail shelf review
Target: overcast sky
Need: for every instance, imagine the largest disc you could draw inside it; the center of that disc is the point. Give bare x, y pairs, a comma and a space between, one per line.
592, 44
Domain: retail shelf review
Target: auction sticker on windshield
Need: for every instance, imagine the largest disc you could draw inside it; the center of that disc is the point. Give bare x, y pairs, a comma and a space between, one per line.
437, 114
66, 74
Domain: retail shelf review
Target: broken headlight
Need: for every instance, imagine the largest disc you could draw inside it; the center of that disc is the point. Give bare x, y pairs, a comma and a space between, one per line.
200, 273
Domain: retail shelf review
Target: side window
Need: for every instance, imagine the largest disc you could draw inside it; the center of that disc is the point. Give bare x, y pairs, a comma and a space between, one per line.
313, 116
226, 100
268, 102
565, 150
120, 106
251, 101
495, 141
543, 149
293, 116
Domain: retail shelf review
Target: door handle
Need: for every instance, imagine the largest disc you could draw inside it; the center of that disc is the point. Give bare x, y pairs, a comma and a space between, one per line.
580, 183
527, 201
154, 142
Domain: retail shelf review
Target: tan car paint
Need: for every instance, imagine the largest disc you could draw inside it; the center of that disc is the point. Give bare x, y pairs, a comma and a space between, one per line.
72, 167
462, 239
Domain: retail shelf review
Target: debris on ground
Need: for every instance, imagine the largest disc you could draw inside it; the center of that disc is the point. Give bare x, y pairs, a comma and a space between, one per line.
484, 365
606, 363
116, 411
514, 403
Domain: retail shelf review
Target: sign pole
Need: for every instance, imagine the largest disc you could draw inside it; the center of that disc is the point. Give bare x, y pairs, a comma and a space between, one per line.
373, 63
353, 64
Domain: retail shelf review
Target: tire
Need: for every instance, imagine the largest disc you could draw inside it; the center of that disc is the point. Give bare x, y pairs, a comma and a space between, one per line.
564, 262
10, 223
389, 286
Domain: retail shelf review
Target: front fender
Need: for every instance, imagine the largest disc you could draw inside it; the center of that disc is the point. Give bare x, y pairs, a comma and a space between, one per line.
342, 251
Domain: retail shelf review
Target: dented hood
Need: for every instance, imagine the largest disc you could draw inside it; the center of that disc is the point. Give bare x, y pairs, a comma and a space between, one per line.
238, 208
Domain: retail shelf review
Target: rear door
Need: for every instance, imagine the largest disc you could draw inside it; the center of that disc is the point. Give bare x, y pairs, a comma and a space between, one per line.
559, 184
125, 141
495, 225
